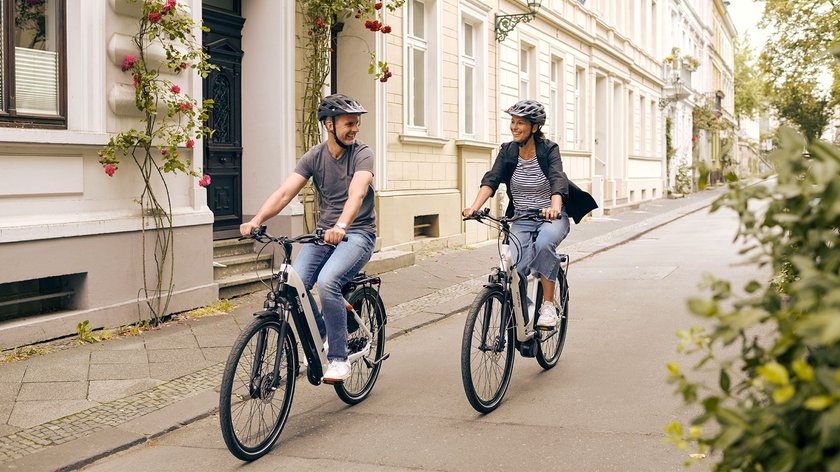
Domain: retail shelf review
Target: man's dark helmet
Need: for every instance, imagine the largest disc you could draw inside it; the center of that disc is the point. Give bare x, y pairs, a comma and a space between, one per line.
339, 104
531, 110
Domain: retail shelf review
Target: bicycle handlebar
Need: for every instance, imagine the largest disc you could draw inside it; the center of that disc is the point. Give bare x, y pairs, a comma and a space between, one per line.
260, 235
533, 214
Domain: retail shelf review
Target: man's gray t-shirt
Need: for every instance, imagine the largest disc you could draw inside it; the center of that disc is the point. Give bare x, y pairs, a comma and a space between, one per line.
332, 180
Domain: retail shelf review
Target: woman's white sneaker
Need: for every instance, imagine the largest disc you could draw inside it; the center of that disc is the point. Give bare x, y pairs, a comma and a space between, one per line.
548, 316
338, 372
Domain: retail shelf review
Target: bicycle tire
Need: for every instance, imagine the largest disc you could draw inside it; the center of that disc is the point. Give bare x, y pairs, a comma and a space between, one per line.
551, 343
486, 370
239, 402
364, 370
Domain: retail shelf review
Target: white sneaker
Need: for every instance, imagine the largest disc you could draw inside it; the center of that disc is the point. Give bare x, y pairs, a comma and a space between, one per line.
338, 372
548, 316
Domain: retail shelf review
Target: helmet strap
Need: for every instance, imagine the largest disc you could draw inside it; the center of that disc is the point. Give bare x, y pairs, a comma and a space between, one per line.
338, 141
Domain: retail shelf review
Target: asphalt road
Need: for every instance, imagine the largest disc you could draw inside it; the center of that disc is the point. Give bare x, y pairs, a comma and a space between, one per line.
603, 408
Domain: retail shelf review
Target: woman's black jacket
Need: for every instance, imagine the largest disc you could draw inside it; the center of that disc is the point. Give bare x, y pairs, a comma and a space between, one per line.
577, 202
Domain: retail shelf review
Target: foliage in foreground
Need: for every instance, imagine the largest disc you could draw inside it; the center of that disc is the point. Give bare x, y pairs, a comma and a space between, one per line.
776, 405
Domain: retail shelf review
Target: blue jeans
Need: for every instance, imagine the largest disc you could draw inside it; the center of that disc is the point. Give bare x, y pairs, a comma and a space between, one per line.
539, 256
331, 268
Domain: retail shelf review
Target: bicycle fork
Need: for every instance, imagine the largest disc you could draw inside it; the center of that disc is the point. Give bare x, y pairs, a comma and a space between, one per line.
258, 387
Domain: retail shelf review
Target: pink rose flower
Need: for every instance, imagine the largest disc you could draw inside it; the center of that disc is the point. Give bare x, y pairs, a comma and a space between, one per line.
176, 89
378, 5
110, 169
205, 181
191, 143
164, 152
128, 62
154, 17
186, 106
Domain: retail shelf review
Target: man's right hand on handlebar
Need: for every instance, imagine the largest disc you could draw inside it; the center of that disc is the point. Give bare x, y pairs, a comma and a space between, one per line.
245, 229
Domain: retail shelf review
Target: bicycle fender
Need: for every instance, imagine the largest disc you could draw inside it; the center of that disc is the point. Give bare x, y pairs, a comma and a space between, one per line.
267, 313
493, 285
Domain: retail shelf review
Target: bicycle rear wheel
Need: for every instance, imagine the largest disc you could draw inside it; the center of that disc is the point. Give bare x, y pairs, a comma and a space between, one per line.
364, 370
487, 351
253, 407
550, 344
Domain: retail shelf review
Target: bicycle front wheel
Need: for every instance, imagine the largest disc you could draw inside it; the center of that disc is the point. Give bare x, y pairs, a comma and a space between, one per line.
255, 396
365, 369
550, 344
487, 351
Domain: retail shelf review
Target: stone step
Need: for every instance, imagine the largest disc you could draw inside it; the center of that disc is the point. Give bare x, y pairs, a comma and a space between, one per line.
232, 247
621, 208
243, 284
240, 264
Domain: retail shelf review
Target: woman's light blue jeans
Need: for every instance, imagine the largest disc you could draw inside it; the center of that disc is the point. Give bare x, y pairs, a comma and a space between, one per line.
331, 268
539, 256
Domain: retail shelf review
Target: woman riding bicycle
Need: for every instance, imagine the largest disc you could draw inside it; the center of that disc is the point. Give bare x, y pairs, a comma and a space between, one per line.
532, 170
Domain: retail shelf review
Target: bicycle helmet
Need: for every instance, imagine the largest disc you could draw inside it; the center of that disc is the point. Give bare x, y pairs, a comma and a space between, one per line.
338, 104
531, 110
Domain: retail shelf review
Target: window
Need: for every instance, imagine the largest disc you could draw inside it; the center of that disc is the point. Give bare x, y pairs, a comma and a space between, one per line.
32, 63
555, 112
422, 94
526, 66
468, 69
580, 99
472, 60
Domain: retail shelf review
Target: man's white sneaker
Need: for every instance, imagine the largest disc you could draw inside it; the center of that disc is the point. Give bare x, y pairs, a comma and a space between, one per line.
548, 316
338, 372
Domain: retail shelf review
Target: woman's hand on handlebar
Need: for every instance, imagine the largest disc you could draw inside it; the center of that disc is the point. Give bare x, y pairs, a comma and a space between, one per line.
550, 213
468, 212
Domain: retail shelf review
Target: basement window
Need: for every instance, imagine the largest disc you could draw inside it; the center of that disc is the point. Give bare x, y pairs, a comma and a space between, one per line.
426, 226
39, 296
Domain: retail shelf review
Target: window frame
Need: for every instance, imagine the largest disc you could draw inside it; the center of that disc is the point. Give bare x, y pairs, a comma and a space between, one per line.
478, 63
557, 101
8, 112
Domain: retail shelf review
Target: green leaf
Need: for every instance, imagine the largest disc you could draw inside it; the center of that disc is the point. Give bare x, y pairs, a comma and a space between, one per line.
783, 393
803, 370
703, 307
774, 373
674, 369
818, 402
724, 381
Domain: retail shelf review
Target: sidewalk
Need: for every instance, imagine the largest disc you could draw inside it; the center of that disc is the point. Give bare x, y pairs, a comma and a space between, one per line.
65, 409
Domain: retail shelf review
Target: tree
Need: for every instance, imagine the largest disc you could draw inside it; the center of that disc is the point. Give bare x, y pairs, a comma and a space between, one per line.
799, 101
797, 56
775, 350
748, 81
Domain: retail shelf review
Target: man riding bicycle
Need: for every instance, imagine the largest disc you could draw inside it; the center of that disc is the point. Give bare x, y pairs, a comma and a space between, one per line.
342, 170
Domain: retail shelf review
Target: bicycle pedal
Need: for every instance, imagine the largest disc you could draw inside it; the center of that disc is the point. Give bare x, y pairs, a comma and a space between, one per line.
547, 328
333, 382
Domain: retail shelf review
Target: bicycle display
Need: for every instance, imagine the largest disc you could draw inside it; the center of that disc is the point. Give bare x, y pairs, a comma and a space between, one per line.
500, 320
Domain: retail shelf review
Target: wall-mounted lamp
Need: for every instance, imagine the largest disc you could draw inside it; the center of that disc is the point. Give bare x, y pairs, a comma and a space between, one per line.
506, 23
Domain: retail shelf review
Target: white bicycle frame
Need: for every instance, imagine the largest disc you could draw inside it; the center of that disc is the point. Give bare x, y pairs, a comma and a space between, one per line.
293, 279
524, 331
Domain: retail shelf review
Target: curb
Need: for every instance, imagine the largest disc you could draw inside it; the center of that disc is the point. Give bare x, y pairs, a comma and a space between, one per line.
85, 450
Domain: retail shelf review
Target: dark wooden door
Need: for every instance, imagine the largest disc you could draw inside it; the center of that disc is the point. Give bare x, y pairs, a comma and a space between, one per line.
223, 151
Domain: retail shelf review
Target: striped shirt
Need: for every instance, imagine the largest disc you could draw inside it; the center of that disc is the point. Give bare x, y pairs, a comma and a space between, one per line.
529, 186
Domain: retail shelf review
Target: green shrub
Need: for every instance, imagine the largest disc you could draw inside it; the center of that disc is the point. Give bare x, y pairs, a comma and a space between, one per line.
776, 405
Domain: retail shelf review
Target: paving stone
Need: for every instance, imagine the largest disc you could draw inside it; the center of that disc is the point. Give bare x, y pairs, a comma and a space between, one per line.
109, 390
410, 322
176, 355
180, 340
172, 370
58, 371
70, 454
118, 372
35, 391
9, 390
12, 372
31, 413
217, 340
217, 354
127, 356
